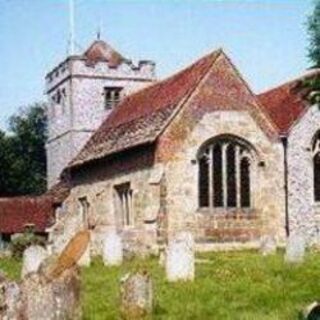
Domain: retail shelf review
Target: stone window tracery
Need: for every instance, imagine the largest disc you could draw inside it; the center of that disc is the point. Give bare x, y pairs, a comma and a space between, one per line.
316, 167
225, 174
125, 203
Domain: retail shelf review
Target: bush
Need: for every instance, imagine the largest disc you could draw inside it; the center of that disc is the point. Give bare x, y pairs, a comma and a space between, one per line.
23, 241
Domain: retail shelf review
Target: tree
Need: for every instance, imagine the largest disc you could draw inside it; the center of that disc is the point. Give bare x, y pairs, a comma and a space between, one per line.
312, 83
22, 153
313, 25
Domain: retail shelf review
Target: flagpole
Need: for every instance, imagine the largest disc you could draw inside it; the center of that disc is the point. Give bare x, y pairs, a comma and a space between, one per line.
71, 26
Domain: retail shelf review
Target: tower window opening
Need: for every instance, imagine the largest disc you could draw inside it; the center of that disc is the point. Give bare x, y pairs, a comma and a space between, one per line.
112, 97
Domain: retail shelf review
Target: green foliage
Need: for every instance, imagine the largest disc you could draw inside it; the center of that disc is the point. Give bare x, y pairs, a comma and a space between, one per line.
11, 268
312, 83
22, 242
22, 153
314, 35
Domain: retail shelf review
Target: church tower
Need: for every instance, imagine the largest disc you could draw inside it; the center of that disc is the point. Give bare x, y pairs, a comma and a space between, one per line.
82, 91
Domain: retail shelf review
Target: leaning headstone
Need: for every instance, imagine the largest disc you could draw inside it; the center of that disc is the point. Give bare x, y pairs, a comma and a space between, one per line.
136, 296
112, 249
312, 312
268, 245
53, 293
295, 248
33, 256
180, 260
58, 299
85, 260
162, 258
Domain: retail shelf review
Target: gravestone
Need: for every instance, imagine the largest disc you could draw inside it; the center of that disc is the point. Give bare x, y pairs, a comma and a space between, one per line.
10, 299
295, 248
112, 249
33, 256
268, 245
85, 260
53, 292
180, 260
162, 258
57, 299
136, 296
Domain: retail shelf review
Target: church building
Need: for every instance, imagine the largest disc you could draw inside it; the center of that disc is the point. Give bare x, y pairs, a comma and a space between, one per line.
197, 151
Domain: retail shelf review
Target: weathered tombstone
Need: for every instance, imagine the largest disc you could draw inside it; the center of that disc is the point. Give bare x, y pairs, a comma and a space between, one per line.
53, 293
180, 260
112, 251
312, 312
10, 299
295, 248
33, 256
268, 245
58, 299
136, 296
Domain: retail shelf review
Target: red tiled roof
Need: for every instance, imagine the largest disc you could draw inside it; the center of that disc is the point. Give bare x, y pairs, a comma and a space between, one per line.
283, 106
140, 117
59, 192
18, 212
101, 51
286, 103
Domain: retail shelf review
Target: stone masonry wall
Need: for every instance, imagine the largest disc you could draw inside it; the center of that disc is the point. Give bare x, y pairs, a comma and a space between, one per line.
165, 180
223, 105
268, 211
304, 213
97, 183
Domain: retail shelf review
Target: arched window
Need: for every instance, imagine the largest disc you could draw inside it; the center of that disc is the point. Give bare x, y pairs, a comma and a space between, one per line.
316, 166
225, 173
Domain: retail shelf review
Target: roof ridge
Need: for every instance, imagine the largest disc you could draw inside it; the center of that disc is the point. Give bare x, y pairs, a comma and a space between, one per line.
176, 74
306, 74
214, 55
254, 96
169, 93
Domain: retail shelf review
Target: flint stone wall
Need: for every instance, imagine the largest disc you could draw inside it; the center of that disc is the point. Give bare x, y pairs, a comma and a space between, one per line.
304, 213
71, 125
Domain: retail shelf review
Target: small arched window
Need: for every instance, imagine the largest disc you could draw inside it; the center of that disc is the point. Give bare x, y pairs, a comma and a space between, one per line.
316, 166
225, 173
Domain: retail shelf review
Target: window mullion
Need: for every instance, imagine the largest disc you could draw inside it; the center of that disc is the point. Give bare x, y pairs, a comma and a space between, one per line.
131, 208
238, 177
210, 164
224, 174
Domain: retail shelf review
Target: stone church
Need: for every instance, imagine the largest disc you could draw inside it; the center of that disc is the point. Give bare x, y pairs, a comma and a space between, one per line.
197, 151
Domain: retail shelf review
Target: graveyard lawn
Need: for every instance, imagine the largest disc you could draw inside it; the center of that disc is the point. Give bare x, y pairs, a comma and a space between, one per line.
233, 285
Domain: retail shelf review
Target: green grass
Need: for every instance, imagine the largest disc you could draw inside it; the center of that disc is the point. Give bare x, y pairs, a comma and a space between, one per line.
235, 285
11, 268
